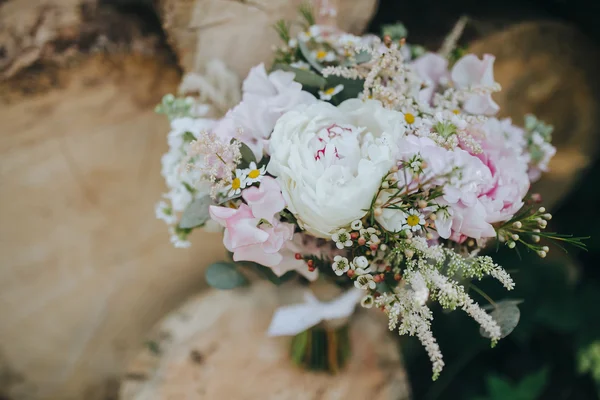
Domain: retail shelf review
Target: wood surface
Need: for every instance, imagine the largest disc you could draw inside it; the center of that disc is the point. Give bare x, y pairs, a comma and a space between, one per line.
215, 347
241, 33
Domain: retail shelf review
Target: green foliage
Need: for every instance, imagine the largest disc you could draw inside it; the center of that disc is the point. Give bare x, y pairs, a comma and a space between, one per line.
307, 13
225, 276
267, 273
507, 315
282, 28
196, 214
306, 53
529, 388
588, 360
175, 107
308, 79
247, 156
395, 31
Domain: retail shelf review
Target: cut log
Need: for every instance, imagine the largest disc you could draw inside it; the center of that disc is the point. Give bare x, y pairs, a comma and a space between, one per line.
551, 70
86, 268
241, 33
215, 347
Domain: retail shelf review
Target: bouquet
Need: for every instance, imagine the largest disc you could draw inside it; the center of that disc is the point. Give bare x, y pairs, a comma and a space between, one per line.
368, 163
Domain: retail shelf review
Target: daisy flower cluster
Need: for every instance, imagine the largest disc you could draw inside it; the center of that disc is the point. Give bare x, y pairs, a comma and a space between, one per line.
368, 163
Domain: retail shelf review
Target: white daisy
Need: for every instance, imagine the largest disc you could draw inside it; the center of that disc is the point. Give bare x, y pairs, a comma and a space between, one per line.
301, 65
340, 265
253, 173
342, 239
237, 184
327, 94
414, 220
312, 33
322, 55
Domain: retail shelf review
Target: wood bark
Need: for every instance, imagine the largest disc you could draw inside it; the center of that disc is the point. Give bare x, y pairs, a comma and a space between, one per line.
215, 347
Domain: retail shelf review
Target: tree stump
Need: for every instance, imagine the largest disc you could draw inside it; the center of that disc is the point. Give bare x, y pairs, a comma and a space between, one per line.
240, 33
86, 269
215, 347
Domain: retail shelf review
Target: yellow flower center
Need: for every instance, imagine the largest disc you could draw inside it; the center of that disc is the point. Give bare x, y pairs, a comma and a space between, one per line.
330, 91
321, 54
254, 174
409, 118
412, 220
456, 111
236, 183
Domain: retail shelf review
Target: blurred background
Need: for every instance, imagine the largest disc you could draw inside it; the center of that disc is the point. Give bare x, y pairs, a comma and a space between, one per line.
86, 270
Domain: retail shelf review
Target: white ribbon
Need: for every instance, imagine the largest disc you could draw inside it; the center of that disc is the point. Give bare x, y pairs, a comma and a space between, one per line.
293, 319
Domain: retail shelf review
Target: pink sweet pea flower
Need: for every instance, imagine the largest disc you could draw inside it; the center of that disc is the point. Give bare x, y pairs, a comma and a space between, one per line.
432, 69
253, 232
265, 200
471, 72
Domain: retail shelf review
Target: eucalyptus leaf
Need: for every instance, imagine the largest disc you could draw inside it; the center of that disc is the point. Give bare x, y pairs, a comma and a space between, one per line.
268, 273
196, 214
247, 154
304, 77
225, 276
352, 87
308, 56
507, 315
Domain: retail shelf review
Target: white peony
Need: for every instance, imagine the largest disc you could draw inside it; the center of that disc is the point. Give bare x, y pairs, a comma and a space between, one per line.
329, 160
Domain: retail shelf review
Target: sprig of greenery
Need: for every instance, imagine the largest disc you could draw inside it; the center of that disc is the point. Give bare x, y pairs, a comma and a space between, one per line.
307, 12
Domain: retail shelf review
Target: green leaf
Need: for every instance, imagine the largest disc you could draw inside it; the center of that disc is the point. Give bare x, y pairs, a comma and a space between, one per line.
196, 214
352, 87
306, 78
395, 31
268, 273
225, 276
247, 154
188, 137
507, 315
308, 56
533, 385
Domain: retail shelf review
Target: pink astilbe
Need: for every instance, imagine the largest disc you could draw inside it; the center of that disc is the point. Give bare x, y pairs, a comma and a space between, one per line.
216, 159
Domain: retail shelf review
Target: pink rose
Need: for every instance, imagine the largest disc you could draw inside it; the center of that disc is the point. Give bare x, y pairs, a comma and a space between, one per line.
252, 232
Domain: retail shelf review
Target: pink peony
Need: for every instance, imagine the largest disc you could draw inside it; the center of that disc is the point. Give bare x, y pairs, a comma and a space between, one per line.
253, 232
503, 155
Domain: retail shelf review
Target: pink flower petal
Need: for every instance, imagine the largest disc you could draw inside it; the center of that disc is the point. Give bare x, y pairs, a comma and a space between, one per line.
265, 200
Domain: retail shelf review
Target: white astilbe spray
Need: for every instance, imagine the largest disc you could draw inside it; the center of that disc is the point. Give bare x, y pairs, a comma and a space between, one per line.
451, 294
407, 312
476, 267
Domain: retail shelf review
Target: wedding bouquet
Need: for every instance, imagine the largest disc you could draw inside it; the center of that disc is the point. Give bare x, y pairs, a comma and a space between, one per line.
368, 163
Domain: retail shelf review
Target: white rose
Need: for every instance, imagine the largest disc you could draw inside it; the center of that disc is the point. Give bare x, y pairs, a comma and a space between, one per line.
329, 160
